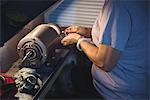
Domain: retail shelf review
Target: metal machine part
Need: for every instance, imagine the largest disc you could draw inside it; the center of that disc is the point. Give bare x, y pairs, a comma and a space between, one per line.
40, 50
28, 81
33, 48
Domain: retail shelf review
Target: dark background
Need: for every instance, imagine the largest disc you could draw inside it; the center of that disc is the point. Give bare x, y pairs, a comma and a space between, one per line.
15, 14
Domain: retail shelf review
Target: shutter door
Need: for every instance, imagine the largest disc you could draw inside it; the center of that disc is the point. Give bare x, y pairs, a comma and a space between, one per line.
81, 12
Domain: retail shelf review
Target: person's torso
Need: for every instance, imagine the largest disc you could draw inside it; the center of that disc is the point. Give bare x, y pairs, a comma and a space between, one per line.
131, 71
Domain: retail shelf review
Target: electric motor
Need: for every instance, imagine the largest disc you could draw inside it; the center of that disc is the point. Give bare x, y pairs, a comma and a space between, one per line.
33, 48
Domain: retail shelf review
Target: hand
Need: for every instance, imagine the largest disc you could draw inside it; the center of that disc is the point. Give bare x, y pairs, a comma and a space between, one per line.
70, 39
79, 29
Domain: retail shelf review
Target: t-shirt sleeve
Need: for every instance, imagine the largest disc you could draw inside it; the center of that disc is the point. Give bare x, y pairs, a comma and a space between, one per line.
117, 28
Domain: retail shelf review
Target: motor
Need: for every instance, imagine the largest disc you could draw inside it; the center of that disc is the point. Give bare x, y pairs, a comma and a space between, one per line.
33, 48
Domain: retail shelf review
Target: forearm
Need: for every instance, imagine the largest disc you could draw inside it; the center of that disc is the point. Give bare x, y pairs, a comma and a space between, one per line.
92, 52
104, 56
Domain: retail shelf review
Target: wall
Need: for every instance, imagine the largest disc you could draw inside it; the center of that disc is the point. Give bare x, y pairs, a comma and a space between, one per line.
82, 12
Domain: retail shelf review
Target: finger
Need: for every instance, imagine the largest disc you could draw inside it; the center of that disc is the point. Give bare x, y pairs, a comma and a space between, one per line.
71, 29
68, 29
64, 42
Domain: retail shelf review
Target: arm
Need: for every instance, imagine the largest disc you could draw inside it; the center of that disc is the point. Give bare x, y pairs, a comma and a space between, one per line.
104, 56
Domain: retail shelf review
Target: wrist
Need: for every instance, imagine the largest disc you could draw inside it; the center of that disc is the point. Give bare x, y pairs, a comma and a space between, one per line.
78, 43
80, 40
79, 36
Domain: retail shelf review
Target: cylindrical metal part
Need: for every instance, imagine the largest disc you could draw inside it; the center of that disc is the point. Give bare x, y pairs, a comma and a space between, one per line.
46, 33
38, 41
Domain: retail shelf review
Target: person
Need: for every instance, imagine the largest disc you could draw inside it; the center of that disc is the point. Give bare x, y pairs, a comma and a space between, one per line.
119, 51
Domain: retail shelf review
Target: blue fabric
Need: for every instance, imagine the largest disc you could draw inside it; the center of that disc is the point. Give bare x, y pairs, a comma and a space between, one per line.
118, 27
124, 26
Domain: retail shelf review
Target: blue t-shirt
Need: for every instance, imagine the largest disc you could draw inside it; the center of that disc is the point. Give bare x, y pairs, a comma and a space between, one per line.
124, 26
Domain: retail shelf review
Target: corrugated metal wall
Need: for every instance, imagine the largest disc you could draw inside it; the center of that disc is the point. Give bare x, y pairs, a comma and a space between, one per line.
82, 12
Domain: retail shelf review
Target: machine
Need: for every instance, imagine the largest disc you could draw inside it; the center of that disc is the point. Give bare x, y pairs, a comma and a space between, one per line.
47, 69
33, 48
37, 46
40, 53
